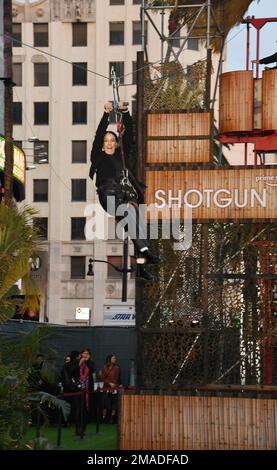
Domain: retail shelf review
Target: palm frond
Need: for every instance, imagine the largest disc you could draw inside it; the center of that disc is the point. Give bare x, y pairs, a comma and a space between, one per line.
18, 241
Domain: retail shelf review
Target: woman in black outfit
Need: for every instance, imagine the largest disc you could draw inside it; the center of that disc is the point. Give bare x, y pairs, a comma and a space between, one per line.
106, 163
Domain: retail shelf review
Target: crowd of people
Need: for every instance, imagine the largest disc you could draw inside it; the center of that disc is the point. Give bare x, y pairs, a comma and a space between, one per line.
78, 383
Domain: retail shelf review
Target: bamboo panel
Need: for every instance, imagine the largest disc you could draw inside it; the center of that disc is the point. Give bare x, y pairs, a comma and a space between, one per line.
178, 151
220, 194
269, 100
178, 124
169, 150
197, 423
236, 101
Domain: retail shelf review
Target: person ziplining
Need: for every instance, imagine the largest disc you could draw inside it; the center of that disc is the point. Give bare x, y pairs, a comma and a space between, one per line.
108, 161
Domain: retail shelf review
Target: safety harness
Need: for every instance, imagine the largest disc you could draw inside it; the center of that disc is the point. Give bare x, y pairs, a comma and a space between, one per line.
125, 183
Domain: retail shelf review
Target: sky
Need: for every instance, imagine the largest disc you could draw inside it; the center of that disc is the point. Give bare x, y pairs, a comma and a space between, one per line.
268, 36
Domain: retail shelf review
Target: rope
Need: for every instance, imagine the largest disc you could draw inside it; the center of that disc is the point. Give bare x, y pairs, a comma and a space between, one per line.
124, 182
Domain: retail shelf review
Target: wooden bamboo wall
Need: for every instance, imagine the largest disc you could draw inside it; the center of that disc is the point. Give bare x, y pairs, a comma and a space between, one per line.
151, 422
229, 179
269, 100
178, 138
236, 101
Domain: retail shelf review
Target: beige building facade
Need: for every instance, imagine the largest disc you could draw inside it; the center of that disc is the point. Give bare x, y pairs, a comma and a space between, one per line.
62, 55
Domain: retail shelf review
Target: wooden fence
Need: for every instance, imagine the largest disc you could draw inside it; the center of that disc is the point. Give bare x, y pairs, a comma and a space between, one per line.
154, 422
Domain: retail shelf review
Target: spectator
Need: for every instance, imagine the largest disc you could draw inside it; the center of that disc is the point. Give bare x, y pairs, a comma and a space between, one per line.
110, 375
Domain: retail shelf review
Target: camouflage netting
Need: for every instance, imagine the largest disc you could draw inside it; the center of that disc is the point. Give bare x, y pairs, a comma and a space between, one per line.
170, 87
225, 333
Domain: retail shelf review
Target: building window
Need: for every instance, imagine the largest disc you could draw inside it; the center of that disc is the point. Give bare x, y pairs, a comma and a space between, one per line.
119, 70
117, 33
41, 224
79, 73
41, 153
117, 261
79, 190
17, 113
16, 35
40, 190
79, 151
17, 74
134, 70
175, 40
79, 112
193, 44
41, 113
117, 2
79, 34
137, 39
41, 34
41, 74
78, 228
77, 267
136, 2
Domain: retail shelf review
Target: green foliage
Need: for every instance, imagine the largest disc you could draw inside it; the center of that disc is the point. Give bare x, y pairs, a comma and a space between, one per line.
17, 399
167, 87
18, 242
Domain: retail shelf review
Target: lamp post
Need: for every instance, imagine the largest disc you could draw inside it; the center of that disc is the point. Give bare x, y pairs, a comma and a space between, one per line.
124, 270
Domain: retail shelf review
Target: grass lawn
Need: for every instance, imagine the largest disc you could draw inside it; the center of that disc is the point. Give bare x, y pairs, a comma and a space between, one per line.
106, 439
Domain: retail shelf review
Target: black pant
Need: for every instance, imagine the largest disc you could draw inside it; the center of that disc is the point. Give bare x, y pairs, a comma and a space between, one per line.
136, 228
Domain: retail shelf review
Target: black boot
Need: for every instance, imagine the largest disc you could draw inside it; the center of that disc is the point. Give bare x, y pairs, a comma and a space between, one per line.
144, 274
151, 258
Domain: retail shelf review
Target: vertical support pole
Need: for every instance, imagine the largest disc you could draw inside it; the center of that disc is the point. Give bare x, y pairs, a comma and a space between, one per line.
205, 297
209, 58
257, 53
142, 19
245, 153
125, 267
8, 100
247, 68
140, 174
162, 39
247, 46
140, 115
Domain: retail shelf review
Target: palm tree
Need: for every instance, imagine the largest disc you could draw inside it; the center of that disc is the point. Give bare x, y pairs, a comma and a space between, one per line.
18, 242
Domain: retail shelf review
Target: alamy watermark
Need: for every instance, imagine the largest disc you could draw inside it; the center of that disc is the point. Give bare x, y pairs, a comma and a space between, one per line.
139, 222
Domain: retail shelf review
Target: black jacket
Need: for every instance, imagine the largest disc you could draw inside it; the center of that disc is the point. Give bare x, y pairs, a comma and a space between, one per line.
106, 167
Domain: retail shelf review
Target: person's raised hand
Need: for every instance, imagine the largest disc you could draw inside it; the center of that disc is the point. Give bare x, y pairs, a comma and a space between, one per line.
123, 105
108, 107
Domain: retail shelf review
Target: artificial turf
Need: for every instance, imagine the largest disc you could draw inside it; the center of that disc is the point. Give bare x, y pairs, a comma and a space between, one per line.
105, 439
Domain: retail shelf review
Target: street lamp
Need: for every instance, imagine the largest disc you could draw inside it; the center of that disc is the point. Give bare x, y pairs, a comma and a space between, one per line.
91, 261
124, 270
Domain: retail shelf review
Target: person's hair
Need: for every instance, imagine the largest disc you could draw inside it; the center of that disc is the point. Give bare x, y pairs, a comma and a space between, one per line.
113, 133
74, 354
108, 358
86, 350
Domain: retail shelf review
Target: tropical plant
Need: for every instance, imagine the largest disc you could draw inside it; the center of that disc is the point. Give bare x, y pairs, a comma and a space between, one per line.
18, 242
17, 397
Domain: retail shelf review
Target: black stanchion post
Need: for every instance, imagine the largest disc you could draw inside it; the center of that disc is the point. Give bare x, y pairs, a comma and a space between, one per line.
38, 423
82, 414
97, 410
59, 431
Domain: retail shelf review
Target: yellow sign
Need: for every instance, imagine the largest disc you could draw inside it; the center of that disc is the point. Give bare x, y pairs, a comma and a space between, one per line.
18, 159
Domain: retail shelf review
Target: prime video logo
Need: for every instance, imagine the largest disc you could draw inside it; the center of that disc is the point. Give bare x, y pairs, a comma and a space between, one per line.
141, 222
